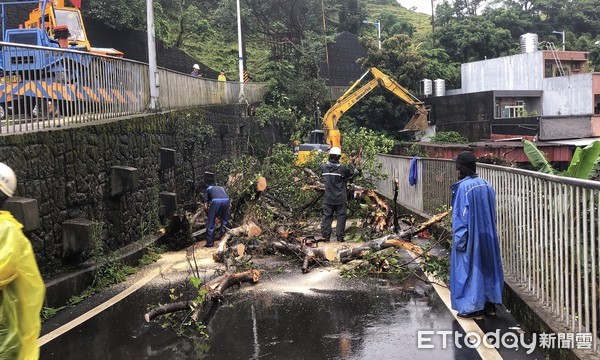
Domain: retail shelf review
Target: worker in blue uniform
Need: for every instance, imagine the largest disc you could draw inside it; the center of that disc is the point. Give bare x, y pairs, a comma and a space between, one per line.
216, 205
476, 276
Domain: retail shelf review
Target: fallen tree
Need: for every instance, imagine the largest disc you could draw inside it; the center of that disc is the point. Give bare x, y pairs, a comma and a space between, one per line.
393, 240
214, 292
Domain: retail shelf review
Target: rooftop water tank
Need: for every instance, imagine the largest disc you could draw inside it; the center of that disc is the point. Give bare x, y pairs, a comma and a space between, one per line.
529, 43
439, 86
426, 87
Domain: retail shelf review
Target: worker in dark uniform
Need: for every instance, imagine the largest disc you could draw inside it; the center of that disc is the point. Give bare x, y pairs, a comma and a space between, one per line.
335, 176
216, 204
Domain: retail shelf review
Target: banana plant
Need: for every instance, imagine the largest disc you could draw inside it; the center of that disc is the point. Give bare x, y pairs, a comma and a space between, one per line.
584, 165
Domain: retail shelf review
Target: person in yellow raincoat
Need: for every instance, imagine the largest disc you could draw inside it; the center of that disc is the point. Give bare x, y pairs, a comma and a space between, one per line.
21, 286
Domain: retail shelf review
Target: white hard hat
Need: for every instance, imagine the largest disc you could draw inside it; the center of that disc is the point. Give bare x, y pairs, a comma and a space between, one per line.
196, 66
8, 180
335, 151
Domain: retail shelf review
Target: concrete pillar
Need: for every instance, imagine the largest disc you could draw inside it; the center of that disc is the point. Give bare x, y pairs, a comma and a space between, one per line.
123, 179
167, 203
167, 158
77, 238
25, 210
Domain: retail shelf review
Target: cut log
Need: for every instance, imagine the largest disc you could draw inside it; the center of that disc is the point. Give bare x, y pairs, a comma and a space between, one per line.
308, 254
249, 230
214, 292
168, 308
261, 184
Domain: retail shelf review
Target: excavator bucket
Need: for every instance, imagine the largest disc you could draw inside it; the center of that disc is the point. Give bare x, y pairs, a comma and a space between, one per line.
418, 122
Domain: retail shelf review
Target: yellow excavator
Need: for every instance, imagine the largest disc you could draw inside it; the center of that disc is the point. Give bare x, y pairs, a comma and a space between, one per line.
329, 136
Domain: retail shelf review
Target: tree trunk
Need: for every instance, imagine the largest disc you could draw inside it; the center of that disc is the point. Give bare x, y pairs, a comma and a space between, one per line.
395, 240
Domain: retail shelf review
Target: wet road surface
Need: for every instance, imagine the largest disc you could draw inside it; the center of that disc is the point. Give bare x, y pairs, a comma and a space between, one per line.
287, 315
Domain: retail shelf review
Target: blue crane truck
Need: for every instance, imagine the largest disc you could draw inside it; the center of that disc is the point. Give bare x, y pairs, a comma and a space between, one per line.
38, 71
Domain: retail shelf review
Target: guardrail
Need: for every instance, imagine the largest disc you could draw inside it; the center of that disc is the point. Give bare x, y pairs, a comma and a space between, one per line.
44, 87
548, 226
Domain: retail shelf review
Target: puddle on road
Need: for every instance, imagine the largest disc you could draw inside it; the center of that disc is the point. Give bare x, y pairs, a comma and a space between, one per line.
288, 316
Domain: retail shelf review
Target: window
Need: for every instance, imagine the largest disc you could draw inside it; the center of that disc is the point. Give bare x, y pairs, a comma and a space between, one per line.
576, 66
548, 70
73, 21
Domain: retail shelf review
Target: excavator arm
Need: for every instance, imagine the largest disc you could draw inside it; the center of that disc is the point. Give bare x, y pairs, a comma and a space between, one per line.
351, 97
330, 135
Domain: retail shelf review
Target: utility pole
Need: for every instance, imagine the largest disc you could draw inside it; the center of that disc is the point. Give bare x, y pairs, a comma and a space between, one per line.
378, 26
152, 67
432, 17
241, 52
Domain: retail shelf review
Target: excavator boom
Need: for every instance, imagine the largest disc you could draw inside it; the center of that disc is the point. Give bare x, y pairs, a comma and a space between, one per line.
351, 97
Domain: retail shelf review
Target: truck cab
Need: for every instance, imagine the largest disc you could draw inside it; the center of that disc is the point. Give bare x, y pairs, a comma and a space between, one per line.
57, 15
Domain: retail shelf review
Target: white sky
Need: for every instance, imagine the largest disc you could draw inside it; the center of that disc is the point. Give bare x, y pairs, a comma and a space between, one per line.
423, 6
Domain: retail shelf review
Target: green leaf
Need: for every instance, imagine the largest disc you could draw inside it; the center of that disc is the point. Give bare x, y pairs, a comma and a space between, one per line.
538, 158
195, 282
584, 161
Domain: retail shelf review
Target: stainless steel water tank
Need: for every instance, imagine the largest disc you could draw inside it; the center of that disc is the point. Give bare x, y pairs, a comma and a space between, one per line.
439, 86
426, 87
529, 43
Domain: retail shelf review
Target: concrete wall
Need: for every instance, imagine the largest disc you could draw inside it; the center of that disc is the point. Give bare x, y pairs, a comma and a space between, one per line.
517, 72
467, 114
68, 171
568, 95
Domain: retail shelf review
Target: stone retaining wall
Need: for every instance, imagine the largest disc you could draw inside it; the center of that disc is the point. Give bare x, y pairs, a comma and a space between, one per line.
68, 171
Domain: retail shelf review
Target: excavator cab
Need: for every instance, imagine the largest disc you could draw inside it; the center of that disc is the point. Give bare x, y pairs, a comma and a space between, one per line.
316, 142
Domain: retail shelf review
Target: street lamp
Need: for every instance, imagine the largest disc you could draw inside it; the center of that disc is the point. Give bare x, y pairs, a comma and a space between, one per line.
241, 52
563, 37
378, 25
152, 66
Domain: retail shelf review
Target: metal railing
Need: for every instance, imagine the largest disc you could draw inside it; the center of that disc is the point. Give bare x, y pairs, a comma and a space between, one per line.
44, 87
548, 226
179, 91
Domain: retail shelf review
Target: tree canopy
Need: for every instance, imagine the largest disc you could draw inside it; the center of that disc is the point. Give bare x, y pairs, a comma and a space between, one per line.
285, 42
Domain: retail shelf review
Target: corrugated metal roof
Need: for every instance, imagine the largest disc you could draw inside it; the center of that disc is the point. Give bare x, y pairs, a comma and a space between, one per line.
577, 142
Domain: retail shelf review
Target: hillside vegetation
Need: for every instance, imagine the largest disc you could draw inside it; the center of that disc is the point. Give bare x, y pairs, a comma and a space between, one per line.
285, 44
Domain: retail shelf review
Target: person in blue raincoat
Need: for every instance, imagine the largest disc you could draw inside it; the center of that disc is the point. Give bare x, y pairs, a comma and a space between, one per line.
216, 202
476, 276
